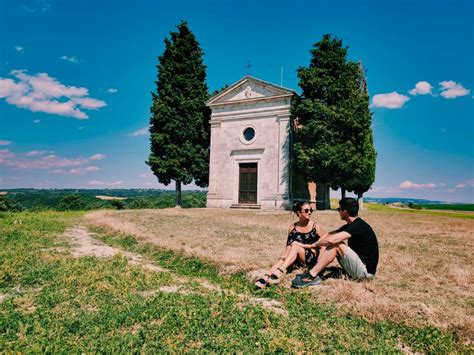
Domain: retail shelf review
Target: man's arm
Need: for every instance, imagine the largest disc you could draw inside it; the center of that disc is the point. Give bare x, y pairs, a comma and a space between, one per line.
332, 238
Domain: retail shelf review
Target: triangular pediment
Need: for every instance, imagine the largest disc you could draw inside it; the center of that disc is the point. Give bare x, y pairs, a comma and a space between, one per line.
249, 89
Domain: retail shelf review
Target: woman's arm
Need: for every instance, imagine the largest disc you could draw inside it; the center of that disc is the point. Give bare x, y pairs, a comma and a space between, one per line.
304, 246
285, 252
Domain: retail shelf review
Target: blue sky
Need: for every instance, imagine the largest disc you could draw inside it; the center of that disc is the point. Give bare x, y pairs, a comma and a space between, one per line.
76, 77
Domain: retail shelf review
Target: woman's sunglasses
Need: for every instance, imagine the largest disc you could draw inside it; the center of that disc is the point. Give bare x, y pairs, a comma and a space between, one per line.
307, 210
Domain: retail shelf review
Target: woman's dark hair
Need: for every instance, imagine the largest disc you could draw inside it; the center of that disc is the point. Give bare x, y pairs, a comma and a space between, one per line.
350, 205
297, 206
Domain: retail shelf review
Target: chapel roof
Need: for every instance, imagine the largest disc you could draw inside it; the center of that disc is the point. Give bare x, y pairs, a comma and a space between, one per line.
249, 89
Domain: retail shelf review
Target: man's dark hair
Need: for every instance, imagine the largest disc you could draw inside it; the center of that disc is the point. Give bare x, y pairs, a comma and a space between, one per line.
350, 205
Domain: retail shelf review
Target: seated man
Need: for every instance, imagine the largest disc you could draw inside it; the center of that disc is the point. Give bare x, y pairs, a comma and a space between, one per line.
359, 258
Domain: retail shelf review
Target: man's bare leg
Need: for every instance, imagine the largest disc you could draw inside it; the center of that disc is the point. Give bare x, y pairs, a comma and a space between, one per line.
327, 257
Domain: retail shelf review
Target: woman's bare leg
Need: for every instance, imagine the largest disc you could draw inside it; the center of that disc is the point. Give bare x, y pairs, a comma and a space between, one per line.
279, 263
296, 252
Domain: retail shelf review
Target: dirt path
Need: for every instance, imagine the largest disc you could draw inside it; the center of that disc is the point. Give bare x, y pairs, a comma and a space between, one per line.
85, 244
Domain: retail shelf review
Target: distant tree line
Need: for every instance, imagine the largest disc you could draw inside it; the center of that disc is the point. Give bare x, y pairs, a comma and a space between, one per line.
64, 200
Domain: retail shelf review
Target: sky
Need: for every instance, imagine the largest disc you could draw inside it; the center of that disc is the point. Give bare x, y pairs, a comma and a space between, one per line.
76, 79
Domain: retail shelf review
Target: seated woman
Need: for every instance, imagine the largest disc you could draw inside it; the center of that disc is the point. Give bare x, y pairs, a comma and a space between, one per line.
301, 235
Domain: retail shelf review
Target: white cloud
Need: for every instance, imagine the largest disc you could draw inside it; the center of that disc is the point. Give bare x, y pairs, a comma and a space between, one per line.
421, 88
37, 6
81, 171
9, 88
97, 183
450, 89
44, 160
35, 153
97, 157
412, 185
42, 93
69, 59
375, 189
467, 183
112, 91
19, 49
146, 175
37, 121
89, 103
391, 100
5, 156
140, 132
5, 142
54, 107
44, 87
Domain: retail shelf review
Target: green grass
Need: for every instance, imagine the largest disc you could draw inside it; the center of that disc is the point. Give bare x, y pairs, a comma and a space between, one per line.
449, 207
387, 208
56, 303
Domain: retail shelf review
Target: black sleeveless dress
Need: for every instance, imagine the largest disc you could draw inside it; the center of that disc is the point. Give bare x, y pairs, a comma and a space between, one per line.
305, 238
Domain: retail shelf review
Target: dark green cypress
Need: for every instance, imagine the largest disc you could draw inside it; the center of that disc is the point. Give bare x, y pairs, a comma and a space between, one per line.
363, 170
332, 113
179, 123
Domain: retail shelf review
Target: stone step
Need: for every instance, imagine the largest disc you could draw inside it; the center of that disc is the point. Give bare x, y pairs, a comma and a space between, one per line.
246, 206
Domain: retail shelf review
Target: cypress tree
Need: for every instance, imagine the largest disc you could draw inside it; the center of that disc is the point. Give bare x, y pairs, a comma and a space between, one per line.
179, 123
363, 170
333, 145
324, 142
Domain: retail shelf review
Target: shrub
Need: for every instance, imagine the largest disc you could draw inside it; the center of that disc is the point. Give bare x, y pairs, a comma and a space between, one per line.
140, 202
72, 203
9, 205
414, 206
118, 204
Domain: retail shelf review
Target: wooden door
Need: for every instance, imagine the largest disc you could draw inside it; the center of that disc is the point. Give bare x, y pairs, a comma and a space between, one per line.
248, 183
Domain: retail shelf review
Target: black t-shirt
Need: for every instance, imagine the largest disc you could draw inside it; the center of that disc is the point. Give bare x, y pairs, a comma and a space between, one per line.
364, 242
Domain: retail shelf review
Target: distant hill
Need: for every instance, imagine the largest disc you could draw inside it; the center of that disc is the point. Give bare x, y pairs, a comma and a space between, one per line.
403, 200
91, 199
90, 192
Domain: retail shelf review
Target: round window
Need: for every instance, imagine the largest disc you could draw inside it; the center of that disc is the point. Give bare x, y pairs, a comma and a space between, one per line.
249, 134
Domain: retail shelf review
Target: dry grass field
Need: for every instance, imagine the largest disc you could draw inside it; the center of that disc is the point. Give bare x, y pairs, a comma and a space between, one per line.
425, 273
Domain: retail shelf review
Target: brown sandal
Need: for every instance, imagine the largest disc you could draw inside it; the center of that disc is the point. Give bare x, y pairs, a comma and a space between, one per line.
262, 283
274, 279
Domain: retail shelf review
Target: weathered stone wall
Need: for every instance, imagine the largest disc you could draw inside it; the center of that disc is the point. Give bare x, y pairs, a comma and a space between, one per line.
267, 111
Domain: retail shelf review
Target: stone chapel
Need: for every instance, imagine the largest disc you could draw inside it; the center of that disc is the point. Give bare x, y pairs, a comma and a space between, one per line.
250, 155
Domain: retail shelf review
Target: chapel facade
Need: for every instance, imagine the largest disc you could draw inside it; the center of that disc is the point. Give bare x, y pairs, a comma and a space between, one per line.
250, 153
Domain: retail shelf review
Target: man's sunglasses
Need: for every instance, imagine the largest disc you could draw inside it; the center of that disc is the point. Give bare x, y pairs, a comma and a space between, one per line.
306, 210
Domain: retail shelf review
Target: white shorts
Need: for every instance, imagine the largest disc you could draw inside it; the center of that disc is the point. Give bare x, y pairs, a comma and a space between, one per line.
352, 264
